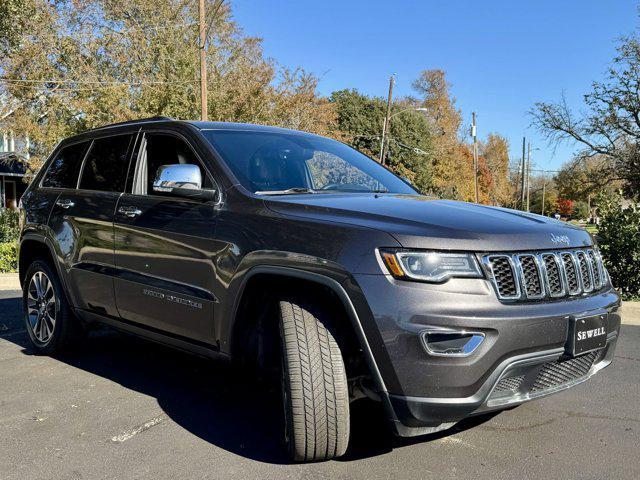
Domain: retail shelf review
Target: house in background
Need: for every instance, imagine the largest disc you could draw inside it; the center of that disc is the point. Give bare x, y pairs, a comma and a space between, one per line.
14, 168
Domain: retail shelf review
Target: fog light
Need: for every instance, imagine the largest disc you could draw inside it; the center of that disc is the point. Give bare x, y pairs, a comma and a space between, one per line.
451, 343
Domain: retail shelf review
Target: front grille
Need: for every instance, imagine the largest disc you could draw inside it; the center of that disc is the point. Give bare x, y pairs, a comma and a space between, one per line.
531, 276
585, 272
504, 277
554, 275
569, 264
535, 276
597, 275
553, 374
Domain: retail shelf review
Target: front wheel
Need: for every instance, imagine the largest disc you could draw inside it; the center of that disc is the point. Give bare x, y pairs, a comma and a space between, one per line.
314, 384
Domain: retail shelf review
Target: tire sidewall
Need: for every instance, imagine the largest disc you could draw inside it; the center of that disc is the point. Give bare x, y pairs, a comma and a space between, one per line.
52, 343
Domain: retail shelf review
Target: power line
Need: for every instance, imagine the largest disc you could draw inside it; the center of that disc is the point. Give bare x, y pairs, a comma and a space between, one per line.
94, 82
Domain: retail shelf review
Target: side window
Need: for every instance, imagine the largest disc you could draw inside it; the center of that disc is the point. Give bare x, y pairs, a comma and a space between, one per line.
105, 168
64, 169
160, 149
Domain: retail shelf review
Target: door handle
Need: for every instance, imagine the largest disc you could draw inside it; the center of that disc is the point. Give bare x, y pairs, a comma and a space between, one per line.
65, 203
130, 212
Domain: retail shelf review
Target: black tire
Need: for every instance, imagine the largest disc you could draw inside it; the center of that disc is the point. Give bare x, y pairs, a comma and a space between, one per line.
314, 381
67, 329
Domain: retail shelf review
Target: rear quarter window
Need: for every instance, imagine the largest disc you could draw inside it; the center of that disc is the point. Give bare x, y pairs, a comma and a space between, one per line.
64, 169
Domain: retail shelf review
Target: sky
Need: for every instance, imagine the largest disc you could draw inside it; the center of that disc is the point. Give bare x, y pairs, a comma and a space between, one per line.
500, 56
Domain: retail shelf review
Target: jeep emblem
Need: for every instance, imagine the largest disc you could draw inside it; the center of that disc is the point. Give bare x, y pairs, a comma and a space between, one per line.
557, 239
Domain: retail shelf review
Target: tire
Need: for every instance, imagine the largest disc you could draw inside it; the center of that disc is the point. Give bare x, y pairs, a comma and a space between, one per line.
62, 329
314, 384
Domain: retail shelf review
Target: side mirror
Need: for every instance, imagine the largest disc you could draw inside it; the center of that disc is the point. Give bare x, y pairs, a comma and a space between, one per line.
183, 180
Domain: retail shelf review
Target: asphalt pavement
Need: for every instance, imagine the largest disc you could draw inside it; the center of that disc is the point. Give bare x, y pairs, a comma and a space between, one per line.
124, 408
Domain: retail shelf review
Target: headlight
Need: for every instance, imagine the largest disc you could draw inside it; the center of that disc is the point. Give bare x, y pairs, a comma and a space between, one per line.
431, 266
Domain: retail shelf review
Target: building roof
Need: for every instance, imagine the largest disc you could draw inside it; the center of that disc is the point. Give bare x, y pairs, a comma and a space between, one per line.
14, 166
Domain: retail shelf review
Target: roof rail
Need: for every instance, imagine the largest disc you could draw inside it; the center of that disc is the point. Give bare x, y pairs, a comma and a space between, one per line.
129, 122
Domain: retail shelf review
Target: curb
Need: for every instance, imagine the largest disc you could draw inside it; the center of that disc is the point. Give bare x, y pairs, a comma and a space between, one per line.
9, 281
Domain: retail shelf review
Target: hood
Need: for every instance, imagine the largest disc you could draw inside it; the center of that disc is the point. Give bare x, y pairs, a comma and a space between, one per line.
423, 222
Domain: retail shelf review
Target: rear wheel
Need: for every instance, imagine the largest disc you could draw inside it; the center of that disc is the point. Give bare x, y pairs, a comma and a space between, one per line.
50, 323
314, 384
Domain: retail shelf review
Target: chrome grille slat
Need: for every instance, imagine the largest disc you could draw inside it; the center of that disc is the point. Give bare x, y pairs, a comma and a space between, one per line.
541, 275
586, 274
553, 275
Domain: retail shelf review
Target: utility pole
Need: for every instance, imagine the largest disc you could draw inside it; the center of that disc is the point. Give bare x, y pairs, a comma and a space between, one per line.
475, 153
524, 141
203, 64
387, 121
528, 172
544, 189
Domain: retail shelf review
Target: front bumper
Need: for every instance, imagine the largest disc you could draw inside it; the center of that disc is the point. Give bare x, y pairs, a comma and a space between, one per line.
520, 379
522, 343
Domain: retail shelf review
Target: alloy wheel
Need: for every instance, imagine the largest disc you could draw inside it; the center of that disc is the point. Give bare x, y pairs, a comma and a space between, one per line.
41, 307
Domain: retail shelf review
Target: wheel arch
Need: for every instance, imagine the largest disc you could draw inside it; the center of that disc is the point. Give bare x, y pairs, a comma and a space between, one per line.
34, 246
264, 273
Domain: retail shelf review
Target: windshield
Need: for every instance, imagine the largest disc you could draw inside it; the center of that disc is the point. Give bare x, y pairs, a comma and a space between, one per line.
282, 163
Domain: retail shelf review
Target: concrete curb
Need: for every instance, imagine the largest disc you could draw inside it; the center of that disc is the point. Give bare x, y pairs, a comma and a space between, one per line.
9, 281
631, 313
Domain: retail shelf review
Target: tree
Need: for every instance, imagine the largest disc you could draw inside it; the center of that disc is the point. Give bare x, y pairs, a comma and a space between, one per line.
609, 130
359, 123
451, 174
581, 210
541, 186
108, 61
583, 179
13, 19
496, 153
565, 206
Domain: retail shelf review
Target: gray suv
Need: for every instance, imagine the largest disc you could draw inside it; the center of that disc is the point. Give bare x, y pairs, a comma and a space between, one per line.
300, 256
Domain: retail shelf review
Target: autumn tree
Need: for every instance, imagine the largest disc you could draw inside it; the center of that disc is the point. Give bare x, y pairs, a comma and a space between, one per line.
584, 178
359, 123
84, 63
495, 151
609, 128
451, 169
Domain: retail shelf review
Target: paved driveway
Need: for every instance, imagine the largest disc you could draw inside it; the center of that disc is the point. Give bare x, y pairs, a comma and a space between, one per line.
122, 408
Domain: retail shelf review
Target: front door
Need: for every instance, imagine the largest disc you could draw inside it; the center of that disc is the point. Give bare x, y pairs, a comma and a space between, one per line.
165, 248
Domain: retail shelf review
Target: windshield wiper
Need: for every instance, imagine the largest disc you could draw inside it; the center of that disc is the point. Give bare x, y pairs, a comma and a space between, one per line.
288, 191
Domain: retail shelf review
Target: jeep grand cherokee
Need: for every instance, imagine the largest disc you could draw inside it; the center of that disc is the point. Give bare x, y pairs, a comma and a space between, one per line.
297, 254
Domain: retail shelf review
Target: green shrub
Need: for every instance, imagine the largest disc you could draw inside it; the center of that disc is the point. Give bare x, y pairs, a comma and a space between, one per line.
619, 240
9, 226
8, 257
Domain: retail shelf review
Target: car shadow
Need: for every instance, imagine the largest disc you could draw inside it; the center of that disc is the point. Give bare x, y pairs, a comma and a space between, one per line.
217, 403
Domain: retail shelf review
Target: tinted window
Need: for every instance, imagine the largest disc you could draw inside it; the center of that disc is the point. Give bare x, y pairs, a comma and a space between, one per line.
271, 162
65, 168
159, 150
105, 168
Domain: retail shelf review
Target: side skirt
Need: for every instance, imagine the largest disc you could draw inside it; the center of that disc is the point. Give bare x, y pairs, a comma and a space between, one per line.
175, 341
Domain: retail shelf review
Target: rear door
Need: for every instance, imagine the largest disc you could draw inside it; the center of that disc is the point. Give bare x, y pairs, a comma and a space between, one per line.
165, 247
82, 223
